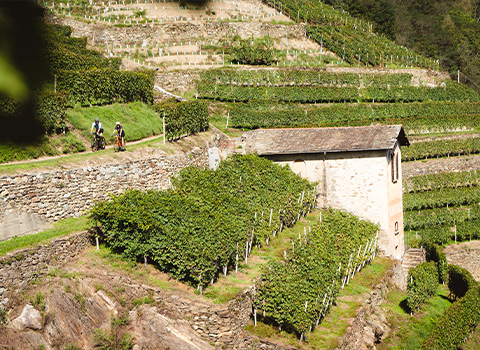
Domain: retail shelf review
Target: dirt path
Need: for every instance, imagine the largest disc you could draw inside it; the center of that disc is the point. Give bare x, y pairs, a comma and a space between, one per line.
89, 158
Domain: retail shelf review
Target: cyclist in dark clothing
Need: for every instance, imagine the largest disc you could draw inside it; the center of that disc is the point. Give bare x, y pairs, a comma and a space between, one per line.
119, 130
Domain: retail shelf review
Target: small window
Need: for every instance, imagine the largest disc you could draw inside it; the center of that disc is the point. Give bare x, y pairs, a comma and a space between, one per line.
395, 166
396, 228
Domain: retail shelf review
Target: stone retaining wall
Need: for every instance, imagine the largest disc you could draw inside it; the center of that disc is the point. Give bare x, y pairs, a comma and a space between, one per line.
223, 325
60, 194
370, 325
25, 265
99, 34
466, 255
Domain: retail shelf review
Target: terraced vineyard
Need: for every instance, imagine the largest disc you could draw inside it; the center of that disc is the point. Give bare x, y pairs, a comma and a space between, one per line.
344, 75
443, 207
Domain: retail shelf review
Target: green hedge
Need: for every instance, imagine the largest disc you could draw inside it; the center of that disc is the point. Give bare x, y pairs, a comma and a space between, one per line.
66, 53
459, 280
106, 86
183, 118
434, 252
460, 319
48, 106
422, 284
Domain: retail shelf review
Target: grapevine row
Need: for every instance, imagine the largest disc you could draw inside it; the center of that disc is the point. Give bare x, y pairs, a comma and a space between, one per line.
346, 36
262, 77
209, 222
297, 292
442, 180
461, 231
440, 148
441, 198
414, 220
415, 117
302, 94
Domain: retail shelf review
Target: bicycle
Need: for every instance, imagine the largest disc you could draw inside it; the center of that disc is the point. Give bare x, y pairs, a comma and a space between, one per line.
98, 142
117, 146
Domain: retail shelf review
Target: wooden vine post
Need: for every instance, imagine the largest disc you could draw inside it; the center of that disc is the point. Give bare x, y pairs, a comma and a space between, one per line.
164, 131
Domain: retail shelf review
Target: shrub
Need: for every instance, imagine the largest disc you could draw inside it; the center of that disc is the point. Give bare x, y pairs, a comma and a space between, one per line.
459, 280
422, 284
184, 117
435, 253
105, 86
253, 52
459, 320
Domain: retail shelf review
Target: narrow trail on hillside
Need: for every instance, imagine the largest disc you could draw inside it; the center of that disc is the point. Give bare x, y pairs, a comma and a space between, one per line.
40, 159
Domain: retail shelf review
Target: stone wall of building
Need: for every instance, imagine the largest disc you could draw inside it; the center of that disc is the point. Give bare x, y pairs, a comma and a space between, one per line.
59, 194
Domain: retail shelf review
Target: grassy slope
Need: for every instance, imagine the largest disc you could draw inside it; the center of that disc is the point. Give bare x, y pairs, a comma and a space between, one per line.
59, 229
46, 146
138, 119
408, 332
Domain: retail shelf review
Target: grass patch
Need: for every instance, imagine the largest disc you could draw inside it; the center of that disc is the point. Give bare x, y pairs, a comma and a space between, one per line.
46, 146
218, 118
410, 331
59, 229
139, 120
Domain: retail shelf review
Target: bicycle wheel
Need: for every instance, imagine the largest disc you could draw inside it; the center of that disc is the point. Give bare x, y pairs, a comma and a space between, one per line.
102, 143
94, 144
117, 145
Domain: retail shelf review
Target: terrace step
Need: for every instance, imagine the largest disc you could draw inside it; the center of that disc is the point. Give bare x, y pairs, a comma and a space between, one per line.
412, 258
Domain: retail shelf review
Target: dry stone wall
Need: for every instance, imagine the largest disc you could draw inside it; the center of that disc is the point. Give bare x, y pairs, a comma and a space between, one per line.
56, 195
222, 325
25, 265
99, 34
466, 255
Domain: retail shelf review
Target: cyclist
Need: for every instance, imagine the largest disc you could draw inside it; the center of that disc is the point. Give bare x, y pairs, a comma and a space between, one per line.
98, 131
98, 127
119, 130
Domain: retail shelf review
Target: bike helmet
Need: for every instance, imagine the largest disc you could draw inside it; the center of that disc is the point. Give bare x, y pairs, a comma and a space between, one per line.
97, 120
118, 123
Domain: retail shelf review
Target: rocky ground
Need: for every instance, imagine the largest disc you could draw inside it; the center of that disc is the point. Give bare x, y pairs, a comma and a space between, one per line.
95, 301
466, 255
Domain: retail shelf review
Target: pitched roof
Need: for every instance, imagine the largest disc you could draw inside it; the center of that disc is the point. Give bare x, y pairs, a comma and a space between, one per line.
316, 140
